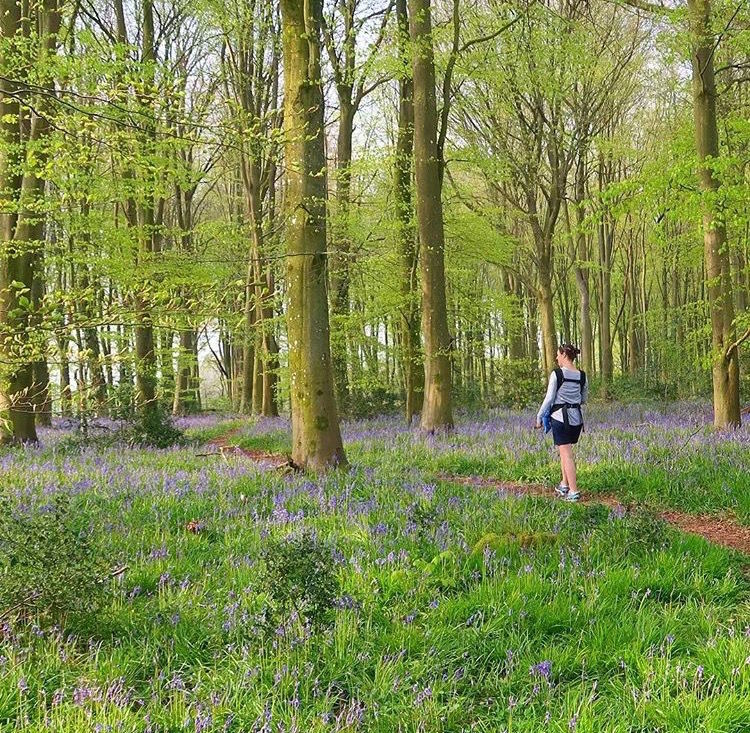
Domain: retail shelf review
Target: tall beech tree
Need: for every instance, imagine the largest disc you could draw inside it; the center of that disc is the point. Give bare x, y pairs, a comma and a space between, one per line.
28, 42
316, 438
251, 65
409, 334
437, 409
725, 357
726, 373
342, 29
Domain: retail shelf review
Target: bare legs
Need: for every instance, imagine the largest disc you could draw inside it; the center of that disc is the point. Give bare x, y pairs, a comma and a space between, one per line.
568, 466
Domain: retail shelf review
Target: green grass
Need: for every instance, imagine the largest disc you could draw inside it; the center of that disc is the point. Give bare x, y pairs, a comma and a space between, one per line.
644, 628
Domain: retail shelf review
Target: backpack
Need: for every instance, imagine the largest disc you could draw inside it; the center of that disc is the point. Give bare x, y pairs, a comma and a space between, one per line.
565, 406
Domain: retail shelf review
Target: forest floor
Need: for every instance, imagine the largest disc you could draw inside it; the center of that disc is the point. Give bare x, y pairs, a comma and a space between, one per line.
463, 598
720, 528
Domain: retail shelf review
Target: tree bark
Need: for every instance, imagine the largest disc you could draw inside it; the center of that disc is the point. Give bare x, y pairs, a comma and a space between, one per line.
145, 354
411, 352
725, 369
437, 410
41, 393
339, 269
580, 257
22, 157
316, 438
606, 240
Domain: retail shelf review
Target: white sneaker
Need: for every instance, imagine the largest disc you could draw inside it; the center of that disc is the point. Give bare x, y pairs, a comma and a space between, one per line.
561, 490
572, 495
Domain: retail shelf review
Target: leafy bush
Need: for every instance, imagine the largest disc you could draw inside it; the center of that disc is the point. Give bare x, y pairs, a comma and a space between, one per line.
49, 565
626, 388
123, 400
374, 400
300, 575
520, 383
154, 428
85, 433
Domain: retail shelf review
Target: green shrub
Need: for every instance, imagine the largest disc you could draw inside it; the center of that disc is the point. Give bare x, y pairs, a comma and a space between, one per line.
154, 428
50, 567
300, 575
519, 383
372, 400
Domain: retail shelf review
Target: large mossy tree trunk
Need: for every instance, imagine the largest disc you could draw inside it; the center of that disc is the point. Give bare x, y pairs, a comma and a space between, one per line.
29, 36
411, 343
316, 438
437, 410
726, 393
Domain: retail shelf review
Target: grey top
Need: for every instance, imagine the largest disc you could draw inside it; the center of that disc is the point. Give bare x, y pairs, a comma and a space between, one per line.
569, 392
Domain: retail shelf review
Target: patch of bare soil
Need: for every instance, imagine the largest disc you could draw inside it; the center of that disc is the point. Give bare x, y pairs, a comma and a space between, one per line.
721, 530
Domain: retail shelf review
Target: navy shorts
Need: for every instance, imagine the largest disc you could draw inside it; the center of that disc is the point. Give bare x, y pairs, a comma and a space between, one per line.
565, 436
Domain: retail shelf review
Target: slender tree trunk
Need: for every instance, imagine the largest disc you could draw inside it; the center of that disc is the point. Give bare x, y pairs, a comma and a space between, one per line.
437, 410
316, 438
532, 329
41, 393
581, 274
87, 305
145, 354
716, 252
634, 346
339, 263
605, 238
411, 352
185, 397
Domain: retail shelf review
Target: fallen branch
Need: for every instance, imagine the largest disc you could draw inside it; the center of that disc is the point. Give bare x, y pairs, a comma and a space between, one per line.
8, 611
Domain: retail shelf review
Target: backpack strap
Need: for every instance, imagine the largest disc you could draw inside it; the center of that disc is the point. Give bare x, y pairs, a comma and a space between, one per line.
559, 376
583, 380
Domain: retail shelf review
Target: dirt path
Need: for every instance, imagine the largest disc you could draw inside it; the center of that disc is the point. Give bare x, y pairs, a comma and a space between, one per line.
719, 529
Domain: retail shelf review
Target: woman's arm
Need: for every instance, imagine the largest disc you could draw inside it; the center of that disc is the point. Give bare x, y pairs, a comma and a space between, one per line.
549, 398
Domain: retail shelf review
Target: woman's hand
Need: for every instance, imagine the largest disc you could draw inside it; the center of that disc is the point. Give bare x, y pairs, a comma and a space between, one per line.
538, 426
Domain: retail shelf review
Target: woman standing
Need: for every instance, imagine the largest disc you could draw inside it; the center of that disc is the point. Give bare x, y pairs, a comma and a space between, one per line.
566, 392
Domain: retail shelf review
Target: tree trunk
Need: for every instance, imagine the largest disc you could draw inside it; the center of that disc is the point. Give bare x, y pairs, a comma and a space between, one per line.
145, 354
716, 252
316, 438
41, 394
185, 396
546, 309
411, 355
248, 343
581, 274
437, 410
606, 239
20, 222
339, 264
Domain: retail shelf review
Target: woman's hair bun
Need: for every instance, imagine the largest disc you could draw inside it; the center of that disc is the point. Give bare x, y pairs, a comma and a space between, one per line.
570, 351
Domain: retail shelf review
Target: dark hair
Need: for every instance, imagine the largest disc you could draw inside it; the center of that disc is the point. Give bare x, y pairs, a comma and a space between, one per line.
570, 351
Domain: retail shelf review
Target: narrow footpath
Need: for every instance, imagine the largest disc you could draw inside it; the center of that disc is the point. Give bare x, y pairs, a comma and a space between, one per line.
721, 529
